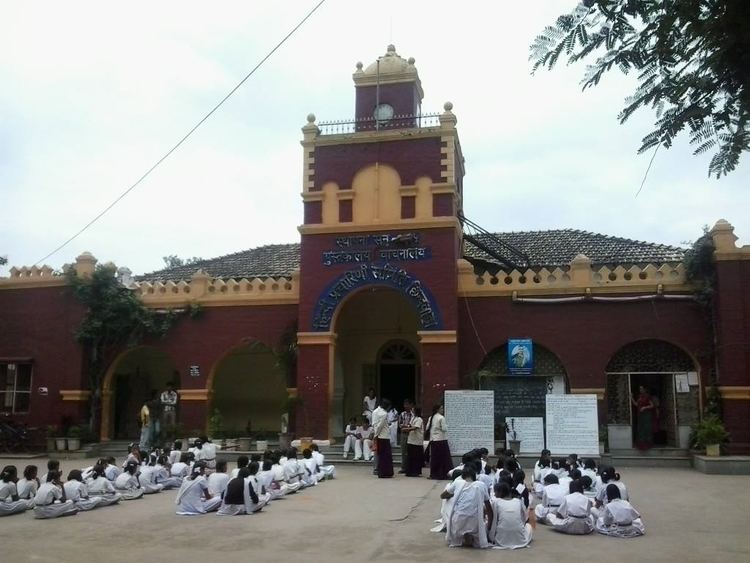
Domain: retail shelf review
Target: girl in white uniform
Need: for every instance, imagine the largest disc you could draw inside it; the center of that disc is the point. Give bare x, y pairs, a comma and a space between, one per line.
76, 490
193, 497
369, 403
29, 485
618, 518
465, 526
607, 476
163, 476
111, 471
552, 498
181, 469
52, 465
574, 514
9, 501
98, 485
509, 528
127, 483
50, 501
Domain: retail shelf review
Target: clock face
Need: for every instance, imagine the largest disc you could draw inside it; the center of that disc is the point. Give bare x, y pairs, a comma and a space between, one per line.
383, 112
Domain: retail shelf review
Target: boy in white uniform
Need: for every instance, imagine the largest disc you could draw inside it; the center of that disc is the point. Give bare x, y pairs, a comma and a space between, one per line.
350, 442
329, 471
367, 435
217, 481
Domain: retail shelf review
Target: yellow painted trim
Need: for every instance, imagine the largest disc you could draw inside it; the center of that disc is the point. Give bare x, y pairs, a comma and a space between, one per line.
735, 393
315, 338
378, 136
313, 196
437, 336
405, 224
194, 394
20, 283
239, 302
408, 190
598, 391
75, 394
345, 194
738, 255
293, 392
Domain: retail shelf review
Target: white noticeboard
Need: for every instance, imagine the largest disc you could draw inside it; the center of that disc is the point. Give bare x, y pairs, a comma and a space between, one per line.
572, 425
528, 429
470, 416
682, 382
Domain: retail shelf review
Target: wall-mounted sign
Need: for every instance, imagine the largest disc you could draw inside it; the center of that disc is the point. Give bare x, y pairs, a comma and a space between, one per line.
377, 274
43, 391
387, 247
520, 356
195, 371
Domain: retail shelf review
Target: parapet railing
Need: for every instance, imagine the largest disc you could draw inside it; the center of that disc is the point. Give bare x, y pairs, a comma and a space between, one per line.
342, 127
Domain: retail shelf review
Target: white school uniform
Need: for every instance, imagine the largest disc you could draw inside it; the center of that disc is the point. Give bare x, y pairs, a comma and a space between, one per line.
446, 505
217, 483
179, 469
111, 472
620, 519
174, 456
573, 516
329, 471
365, 444
102, 487
313, 474
392, 419
350, 441
368, 406
163, 477
265, 480
127, 485
207, 453
49, 504
467, 514
190, 498
147, 480
509, 529
551, 500
79, 494
601, 493
27, 489
9, 506
280, 482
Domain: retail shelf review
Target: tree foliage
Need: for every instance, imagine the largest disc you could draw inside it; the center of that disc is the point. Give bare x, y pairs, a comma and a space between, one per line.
173, 261
115, 320
692, 59
3, 260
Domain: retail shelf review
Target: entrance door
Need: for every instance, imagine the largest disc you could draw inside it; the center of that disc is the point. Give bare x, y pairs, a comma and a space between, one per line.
397, 373
661, 388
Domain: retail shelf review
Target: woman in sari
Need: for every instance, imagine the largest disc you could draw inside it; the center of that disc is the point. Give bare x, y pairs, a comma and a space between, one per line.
645, 410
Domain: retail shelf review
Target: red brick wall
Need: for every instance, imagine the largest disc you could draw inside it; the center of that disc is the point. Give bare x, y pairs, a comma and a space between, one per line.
40, 324
733, 346
313, 212
345, 211
583, 335
412, 159
402, 97
438, 372
312, 383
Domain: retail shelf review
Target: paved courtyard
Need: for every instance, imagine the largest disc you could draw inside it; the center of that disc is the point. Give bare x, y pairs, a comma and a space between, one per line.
356, 517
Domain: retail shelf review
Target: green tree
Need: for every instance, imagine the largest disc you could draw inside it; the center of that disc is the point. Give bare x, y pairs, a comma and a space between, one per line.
115, 320
173, 261
3, 260
692, 59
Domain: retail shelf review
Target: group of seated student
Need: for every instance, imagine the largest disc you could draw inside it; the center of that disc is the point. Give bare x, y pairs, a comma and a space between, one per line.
491, 506
203, 486
359, 437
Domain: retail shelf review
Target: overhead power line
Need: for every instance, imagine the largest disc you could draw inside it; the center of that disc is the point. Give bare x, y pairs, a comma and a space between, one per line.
185, 137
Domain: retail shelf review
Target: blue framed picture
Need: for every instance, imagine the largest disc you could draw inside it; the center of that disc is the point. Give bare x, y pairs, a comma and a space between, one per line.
520, 356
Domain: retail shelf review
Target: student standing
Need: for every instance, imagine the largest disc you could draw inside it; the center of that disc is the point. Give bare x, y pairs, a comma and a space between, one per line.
404, 423
369, 403
440, 454
393, 426
383, 440
168, 401
144, 416
414, 432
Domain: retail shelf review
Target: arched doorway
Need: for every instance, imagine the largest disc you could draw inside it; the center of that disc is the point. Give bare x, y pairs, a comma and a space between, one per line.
671, 378
522, 396
248, 389
134, 378
376, 346
397, 372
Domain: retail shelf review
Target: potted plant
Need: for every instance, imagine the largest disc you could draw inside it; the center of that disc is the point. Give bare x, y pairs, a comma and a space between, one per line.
61, 443
513, 441
216, 425
710, 434
74, 438
51, 432
603, 438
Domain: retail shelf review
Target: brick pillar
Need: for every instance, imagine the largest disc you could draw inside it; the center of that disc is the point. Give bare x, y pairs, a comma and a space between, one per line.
192, 410
439, 369
314, 377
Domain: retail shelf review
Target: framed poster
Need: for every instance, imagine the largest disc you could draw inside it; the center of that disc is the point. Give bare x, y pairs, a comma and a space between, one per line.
520, 356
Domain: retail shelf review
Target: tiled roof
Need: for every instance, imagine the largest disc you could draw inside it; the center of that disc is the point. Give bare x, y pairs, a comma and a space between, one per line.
272, 261
558, 247
545, 248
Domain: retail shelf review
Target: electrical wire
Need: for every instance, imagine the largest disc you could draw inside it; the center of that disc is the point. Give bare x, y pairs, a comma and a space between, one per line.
653, 156
185, 137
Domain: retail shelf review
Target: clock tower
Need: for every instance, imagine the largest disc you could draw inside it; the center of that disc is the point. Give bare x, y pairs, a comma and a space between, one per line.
380, 242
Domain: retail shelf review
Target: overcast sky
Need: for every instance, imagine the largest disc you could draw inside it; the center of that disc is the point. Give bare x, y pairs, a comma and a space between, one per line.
93, 93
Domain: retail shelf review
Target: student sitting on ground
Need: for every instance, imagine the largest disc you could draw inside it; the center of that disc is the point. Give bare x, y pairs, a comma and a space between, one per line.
280, 482
193, 497
552, 498
465, 526
589, 489
127, 483
313, 475
163, 476
111, 471
508, 527
181, 469
217, 481
292, 469
574, 514
52, 465
76, 491
9, 501
618, 518
328, 470
589, 468
147, 476
256, 496
607, 476
50, 501
29, 484
242, 461
98, 485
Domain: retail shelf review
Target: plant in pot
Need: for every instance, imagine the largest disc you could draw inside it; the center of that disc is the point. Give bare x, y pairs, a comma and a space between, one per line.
603, 438
513, 441
711, 434
51, 433
74, 438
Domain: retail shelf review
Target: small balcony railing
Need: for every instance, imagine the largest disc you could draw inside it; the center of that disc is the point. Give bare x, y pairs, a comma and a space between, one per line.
422, 121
